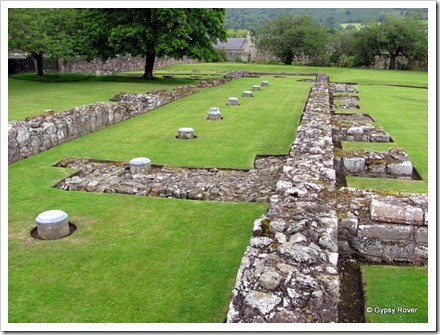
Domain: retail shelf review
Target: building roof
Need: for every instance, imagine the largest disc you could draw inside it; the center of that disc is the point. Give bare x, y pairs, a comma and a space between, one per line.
232, 44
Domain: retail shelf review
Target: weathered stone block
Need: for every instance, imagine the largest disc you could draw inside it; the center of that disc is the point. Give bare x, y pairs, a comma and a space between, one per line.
395, 210
420, 253
400, 169
351, 88
23, 136
378, 137
270, 280
377, 168
350, 224
185, 133
354, 164
264, 302
260, 242
368, 246
299, 253
351, 103
385, 231
398, 251
421, 235
277, 226
140, 165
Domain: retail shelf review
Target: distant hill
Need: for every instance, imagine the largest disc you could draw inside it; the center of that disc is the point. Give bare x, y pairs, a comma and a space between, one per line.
253, 18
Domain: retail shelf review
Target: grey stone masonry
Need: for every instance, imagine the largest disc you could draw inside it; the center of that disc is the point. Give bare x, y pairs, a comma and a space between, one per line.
383, 228
254, 185
289, 270
393, 163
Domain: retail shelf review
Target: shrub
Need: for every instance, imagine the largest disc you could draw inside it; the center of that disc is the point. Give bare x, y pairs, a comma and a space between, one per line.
238, 59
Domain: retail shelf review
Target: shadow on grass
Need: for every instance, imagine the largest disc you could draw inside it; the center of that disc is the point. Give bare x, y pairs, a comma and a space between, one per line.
75, 77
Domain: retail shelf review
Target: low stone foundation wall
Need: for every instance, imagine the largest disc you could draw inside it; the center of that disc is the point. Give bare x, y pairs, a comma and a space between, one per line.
393, 163
115, 65
44, 131
289, 271
254, 185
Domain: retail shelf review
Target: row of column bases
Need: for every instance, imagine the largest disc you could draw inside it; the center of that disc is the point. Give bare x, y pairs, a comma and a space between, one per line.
54, 224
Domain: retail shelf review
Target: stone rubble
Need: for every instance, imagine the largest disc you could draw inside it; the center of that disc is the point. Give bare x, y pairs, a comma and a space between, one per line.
255, 185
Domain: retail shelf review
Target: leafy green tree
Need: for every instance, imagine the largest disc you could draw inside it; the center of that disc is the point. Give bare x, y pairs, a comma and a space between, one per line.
393, 37
339, 45
240, 33
42, 31
153, 32
288, 36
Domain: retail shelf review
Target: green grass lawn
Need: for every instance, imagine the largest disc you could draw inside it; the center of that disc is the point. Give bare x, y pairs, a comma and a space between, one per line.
30, 97
139, 259
336, 74
402, 112
395, 293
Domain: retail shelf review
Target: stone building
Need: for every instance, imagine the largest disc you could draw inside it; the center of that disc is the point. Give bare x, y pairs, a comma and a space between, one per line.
237, 47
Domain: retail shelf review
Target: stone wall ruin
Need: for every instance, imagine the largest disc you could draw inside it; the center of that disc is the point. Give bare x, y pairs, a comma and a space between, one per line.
289, 271
49, 129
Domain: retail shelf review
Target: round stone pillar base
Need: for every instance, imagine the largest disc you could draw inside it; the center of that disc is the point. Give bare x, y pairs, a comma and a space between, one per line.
233, 101
248, 94
52, 225
214, 114
185, 133
140, 165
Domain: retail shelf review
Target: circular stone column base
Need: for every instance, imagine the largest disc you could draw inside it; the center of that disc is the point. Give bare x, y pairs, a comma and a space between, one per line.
140, 165
214, 114
185, 133
233, 101
248, 94
52, 225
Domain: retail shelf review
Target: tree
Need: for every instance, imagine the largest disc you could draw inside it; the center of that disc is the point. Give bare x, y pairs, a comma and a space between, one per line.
41, 31
236, 33
339, 45
393, 37
288, 37
365, 44
153, 32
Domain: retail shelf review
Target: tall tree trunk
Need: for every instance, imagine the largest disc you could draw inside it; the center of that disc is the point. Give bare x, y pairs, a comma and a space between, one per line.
151, 55
39, 60
393, 59
149, 65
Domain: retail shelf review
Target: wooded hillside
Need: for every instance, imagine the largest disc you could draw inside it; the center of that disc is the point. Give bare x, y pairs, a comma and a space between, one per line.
253, 18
